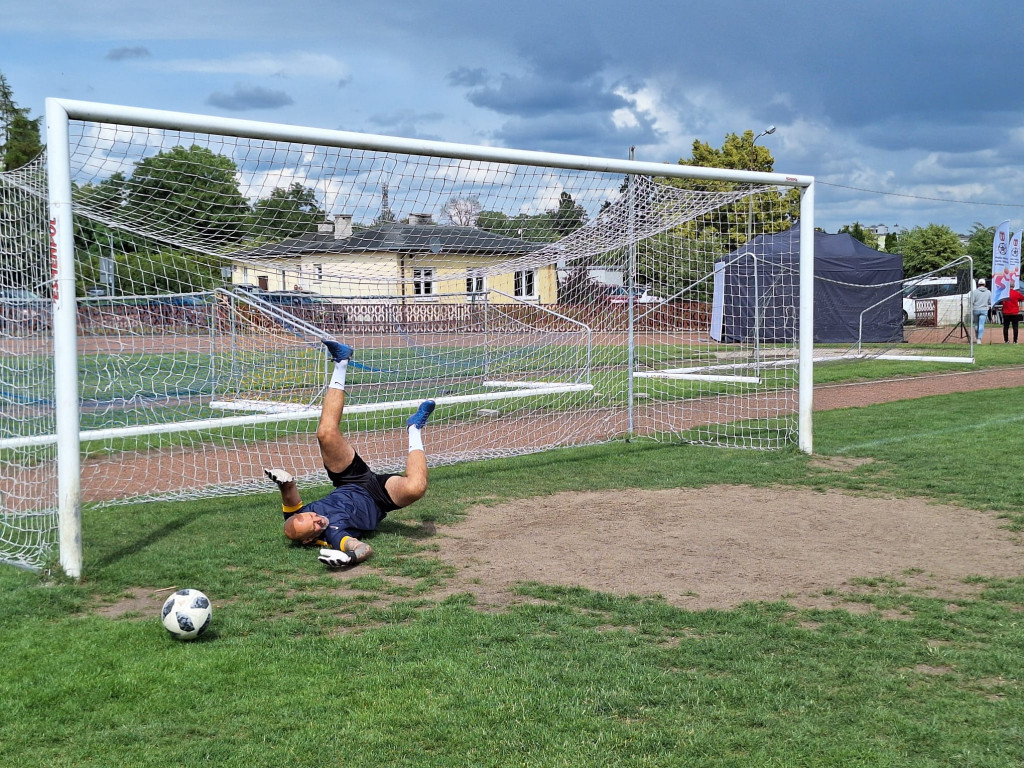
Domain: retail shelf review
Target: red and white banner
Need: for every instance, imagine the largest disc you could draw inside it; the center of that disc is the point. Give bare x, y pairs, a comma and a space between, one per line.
1005, 261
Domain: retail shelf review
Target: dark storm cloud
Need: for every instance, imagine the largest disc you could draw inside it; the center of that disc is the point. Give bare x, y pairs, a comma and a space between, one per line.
593, 134
255, 97
959, 133
125, 53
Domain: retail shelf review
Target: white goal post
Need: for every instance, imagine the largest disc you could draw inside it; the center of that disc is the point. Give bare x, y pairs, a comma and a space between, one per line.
543, 299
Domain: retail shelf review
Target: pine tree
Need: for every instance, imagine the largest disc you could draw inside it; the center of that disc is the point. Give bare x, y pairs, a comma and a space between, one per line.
19, 135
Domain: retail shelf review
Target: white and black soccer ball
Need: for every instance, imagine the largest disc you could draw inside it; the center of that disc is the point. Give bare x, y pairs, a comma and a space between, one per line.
187, 614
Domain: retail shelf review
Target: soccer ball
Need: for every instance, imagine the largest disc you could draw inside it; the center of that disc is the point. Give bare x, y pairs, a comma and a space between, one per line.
186, 614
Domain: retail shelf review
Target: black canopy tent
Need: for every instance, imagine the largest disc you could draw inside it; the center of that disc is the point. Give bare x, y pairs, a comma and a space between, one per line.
849, 277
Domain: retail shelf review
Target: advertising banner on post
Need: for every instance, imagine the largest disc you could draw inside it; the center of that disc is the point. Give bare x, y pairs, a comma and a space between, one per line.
1003, 276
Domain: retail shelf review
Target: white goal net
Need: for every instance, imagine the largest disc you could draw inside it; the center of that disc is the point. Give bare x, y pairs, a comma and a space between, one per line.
543, 301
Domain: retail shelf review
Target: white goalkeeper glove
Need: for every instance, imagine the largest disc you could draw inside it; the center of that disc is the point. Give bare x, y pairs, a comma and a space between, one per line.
279, 476
335, 558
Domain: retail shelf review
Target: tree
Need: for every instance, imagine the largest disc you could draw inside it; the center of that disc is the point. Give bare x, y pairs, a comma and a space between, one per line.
892, 242
927, 248
190, 192
568, 216
461, 211
287, 212
534, 228
579, 288
979, 248
772, 211
857, 232
19, 136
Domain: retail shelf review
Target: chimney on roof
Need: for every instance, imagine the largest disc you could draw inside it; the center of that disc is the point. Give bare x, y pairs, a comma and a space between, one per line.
342, 226
325, 227
420, 219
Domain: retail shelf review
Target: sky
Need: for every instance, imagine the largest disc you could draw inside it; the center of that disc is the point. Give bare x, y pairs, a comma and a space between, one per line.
904, 111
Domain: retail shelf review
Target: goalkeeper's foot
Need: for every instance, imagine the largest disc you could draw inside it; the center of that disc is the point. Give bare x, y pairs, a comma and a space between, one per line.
279, 476
337, 350
419, 419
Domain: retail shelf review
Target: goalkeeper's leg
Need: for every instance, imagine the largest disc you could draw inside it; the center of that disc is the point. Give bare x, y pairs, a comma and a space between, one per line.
405, 490
335, 449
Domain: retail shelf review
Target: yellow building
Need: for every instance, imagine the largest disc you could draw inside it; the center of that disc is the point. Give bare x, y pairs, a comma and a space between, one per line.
420, 260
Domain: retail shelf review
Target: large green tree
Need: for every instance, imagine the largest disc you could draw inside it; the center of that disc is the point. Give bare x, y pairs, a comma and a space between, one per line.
927, 248
286, 212
188, 196
568, 216
765, 212
979, 248
19, 135
22, 247
189, 193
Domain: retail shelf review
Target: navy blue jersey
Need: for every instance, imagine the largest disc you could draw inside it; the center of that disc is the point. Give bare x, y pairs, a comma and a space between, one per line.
350, 511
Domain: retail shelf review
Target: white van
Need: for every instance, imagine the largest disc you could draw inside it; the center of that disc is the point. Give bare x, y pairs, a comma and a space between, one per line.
950, 303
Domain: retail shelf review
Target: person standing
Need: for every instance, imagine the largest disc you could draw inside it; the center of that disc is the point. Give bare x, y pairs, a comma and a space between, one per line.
1011, 313
981, 304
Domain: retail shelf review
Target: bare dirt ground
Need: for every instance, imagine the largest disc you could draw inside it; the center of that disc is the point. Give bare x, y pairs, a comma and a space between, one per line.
720, 546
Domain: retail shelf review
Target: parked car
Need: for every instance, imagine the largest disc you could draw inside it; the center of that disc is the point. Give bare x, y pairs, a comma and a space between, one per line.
618, 294
945, 290
293, 298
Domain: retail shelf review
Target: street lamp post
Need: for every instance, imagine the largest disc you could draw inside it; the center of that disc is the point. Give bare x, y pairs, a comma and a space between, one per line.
750, 200
750, 233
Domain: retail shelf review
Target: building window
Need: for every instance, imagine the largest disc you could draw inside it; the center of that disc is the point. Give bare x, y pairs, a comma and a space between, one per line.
423, 282
318, 271
475, 283
526, 284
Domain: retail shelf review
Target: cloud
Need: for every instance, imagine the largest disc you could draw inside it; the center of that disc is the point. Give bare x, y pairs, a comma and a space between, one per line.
243, 98
594, 134
127, 52
467, 77
531, 96
297, 64
405, 122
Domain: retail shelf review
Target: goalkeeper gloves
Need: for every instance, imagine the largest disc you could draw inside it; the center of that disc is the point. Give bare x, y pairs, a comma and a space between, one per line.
335, 558
279, 476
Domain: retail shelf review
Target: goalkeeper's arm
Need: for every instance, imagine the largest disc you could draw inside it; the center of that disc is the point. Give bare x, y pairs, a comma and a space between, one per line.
352, 551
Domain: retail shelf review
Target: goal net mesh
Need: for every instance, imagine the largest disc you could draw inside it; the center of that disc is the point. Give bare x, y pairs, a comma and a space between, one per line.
541, 307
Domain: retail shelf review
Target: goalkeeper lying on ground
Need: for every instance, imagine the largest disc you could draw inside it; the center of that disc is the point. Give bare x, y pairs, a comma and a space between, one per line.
361, 498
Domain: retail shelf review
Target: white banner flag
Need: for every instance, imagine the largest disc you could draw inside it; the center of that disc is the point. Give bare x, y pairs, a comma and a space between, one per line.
1002, 278
1014, 262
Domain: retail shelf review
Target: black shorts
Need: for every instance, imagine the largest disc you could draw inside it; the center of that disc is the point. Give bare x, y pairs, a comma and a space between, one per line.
358, 473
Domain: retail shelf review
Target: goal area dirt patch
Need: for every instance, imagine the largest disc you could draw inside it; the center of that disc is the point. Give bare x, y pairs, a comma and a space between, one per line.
719, 546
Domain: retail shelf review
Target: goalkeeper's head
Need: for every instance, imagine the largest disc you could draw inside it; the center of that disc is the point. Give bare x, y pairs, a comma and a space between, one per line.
305, 527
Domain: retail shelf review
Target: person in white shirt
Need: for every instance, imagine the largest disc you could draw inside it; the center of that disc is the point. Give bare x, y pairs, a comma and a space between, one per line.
981, 304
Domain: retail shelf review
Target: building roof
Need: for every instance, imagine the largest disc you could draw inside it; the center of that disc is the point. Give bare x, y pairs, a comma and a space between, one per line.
397, 238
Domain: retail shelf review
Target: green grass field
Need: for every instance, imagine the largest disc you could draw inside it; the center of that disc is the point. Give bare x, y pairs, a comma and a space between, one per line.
297, 672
